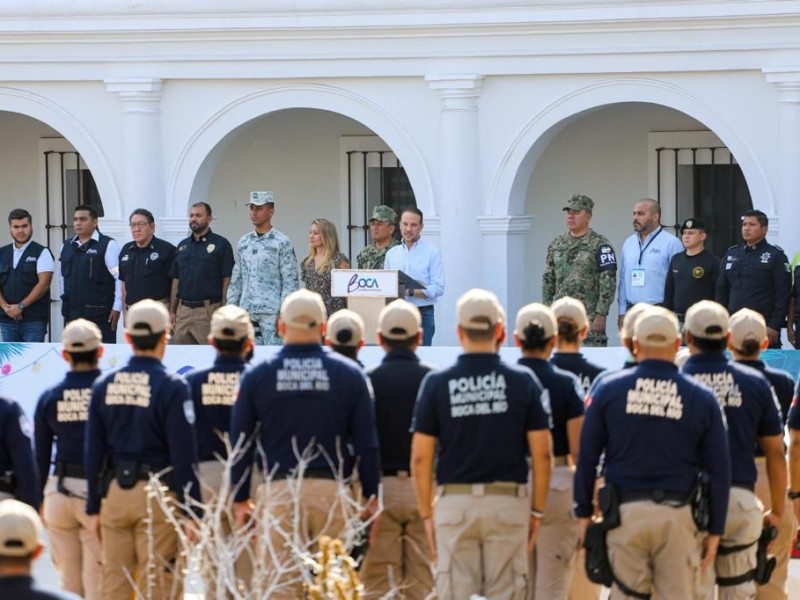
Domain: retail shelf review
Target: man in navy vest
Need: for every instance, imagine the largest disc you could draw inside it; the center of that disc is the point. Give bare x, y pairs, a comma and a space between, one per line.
26, 269
90, 286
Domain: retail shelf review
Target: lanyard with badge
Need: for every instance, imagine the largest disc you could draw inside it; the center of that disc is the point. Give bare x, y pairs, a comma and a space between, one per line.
637, 274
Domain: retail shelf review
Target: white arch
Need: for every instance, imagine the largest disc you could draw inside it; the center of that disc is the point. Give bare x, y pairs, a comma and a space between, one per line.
323, 97
48, 112
508, 188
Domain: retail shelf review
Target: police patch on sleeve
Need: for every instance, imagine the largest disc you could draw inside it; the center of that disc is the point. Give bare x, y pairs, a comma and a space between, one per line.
606, 259
25, 426
188, 411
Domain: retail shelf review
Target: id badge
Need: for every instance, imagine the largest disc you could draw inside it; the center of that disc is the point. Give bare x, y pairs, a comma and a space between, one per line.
637, 277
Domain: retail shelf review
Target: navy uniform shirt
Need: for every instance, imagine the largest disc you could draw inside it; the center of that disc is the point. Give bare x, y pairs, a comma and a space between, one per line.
23, 587
793, 421
782, 386
689, 280
141, 412
307, 394
750, 408
146, 271
481, 411
214, 392
796, 296
565, 398
757, 278
576, 363
16, 454
200, 266
658, 429
61, 415
395, 383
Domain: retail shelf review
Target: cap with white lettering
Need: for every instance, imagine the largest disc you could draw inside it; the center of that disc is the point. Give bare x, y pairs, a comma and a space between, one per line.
345, 328
708, 320
656, 326
147, 317
303, 309
81, 335
478, 309
261, 198
538, 315
399, 320
746, 324
629, 320
571, 310
231, 322
20, 529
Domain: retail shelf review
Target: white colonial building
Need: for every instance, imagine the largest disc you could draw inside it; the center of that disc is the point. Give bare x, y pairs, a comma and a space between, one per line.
486, 113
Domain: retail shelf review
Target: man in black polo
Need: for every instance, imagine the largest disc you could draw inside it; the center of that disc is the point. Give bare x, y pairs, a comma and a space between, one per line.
201, 273
692, 274
26, 269
145, 263
90, 288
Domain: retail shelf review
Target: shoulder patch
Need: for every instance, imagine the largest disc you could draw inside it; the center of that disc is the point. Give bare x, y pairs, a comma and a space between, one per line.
25, 426
605, 257
188, 411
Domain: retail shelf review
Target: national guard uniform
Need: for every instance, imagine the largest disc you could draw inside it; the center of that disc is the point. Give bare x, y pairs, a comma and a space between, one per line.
372, 257
756, 277
306, 399
60, 417
635, 416
483, 414
583, 267
200, 266
752, 415
18, 475
554, 556
397, 556
140, 423
146, 271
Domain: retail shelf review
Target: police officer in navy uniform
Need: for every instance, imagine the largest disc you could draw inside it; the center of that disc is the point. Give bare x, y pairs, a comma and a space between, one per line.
90, 288
201, 273
395, 383
573, 326
753, 417
140, 423
793, 422
26, 270
693, 273
485, 417
535, 334
145, 263
308, 400
756, 275
60, 418
18, 475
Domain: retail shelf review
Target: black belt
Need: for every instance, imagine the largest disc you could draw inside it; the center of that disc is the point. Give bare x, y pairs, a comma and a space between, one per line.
425, 308
74, 470
395, 472
308, 474
7, 488
657, 496
198, 303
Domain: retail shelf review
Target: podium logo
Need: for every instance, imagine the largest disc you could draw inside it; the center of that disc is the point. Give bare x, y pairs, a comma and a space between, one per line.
361, 283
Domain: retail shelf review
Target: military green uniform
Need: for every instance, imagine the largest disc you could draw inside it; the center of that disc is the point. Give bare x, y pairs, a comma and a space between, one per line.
372, 257
584, 268
264, 274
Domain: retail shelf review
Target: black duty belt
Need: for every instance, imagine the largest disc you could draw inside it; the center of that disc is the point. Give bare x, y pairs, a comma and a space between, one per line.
307, 474
74, 470
657, 496
198, 303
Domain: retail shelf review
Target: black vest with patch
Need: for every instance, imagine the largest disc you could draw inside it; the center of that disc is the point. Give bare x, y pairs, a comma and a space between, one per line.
88, 286
17, 283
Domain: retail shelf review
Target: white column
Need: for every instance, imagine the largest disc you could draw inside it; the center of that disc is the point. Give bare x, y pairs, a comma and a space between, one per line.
143, 179
458, 193
788, 184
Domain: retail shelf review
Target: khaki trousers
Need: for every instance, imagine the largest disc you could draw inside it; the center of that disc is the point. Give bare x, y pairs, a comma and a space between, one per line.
553, 559
74, 547
399, 556
192, 325
138, 540
782, 545
481, 543
655, 550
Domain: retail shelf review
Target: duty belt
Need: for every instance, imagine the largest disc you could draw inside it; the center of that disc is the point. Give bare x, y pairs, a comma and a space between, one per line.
198, 303
307, 474
520, 490
658, 496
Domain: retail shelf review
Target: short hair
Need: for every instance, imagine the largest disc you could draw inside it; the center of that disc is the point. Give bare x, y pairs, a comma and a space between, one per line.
401, 344
88, 357
19, 213
655, 205
230, 347
205, 205
707, 345
413, 210
479, 335
16, 561
750, 347
143, 212
88, 208
146, 342
350, 352
760, 216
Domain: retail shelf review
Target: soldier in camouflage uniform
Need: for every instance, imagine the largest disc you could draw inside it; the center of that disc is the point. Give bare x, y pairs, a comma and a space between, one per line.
581, 263
381, 228
265, 271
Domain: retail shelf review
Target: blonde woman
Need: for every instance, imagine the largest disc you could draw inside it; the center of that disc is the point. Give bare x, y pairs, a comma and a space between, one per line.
323, 255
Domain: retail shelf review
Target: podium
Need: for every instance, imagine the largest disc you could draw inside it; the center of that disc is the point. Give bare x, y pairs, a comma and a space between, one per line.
367, 292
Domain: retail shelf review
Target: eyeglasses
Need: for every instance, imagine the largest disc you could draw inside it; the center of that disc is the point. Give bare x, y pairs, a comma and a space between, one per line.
140, 224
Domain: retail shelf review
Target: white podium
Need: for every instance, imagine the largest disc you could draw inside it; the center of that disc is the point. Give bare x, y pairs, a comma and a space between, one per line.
367, 291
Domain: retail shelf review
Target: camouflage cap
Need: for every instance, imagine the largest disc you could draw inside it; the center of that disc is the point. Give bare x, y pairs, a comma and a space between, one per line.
579, 202
261, 198
383, 213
